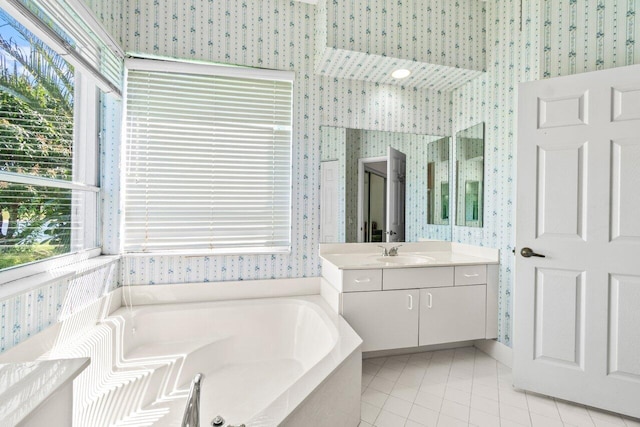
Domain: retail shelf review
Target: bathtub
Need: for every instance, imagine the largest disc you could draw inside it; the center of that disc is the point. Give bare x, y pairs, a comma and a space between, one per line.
266, 362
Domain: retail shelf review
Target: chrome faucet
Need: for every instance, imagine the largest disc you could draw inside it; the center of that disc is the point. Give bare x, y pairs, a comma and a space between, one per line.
191, 417
392, 251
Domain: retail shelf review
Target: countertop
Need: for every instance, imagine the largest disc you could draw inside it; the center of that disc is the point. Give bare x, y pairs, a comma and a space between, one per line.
353, 256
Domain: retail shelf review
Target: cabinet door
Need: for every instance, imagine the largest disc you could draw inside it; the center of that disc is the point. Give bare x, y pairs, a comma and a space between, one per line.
385, 319
452, 314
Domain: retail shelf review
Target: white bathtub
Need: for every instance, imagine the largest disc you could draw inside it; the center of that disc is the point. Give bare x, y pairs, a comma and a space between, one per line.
266, 362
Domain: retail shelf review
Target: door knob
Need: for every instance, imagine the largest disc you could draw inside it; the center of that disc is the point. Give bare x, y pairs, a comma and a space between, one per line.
528, 253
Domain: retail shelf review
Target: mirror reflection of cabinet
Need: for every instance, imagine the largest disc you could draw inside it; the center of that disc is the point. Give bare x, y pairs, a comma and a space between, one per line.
470, 176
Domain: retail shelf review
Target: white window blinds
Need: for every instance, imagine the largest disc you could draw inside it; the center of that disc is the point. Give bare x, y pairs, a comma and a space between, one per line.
208, 159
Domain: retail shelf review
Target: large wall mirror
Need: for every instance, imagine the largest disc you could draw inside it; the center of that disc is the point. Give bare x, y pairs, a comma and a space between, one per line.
470, 176
384, 186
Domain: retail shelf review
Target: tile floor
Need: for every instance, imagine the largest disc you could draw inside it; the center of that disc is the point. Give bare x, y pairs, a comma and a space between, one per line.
462, 387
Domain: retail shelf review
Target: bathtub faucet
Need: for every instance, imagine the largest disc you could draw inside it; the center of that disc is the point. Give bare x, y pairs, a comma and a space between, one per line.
191, 417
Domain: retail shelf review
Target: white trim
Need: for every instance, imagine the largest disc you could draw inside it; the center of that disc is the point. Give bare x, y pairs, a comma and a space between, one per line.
414, 350
214, 252
92, 22
24, 16
22, 278
60, 333
190, 67
360, 208
218, 291
45, 182
497, 350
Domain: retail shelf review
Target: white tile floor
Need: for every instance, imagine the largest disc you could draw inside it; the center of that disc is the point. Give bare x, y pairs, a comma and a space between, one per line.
462, 387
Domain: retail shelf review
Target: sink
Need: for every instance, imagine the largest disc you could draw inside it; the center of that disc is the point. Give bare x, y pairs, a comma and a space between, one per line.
405, 259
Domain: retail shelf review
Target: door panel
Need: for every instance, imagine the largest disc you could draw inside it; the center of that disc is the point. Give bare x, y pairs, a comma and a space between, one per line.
385, 319
626, 103
625, 184
624, 321
396, 176
559, 325
576, 333
561, 198
569, 110
330, 178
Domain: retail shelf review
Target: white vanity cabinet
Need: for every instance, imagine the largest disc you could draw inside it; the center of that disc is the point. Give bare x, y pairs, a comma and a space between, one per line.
451, 296
383, 319
452, 314
417, 306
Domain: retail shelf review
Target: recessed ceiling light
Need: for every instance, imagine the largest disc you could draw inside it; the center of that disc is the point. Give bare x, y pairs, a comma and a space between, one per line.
401, 73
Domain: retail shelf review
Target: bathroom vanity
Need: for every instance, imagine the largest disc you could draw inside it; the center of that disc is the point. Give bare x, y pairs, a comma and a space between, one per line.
430, 293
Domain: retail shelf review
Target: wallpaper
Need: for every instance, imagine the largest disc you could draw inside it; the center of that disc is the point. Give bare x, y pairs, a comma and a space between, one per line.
368, 40
26, 314
557, 37
109, 13
589, 35
276, 34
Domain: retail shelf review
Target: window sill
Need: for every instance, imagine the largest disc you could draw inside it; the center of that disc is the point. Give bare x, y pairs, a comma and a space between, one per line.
69, 270
284, 250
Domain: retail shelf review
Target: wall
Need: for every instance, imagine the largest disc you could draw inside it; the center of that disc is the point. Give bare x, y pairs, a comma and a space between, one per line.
59, 294
278, 34
435, 31
558, 37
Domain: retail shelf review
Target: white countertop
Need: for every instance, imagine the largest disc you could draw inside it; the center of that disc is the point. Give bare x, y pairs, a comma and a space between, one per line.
25, 386
347, 256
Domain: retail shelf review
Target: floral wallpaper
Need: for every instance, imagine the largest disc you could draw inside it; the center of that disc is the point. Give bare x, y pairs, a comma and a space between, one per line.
541, 39
25, 314
440, 41
277, 34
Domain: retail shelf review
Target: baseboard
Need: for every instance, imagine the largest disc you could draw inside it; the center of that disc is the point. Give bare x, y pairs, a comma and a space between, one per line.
412, 350
497, 350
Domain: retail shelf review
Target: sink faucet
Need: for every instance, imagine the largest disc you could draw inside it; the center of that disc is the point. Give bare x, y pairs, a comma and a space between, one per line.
392, 251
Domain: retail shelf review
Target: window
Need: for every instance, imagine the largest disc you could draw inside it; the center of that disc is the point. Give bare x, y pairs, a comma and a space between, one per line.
208, 158
49, 97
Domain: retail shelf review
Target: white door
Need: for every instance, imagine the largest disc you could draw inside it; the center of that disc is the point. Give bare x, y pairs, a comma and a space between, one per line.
329, 181
577, 311
383, 319
396, 174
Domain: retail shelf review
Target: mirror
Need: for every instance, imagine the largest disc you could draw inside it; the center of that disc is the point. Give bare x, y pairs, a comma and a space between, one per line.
375, 186
470, 176
438, 182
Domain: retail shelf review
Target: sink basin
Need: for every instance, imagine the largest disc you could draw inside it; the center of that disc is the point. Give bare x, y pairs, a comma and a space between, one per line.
405, 259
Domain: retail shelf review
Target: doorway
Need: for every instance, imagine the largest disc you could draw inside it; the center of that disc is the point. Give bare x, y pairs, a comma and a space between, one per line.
375, 201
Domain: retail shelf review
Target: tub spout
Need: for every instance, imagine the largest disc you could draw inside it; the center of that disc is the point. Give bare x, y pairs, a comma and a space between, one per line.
191, 417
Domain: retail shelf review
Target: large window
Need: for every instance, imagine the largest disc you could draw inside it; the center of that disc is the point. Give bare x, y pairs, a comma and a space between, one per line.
208, 158
49, 98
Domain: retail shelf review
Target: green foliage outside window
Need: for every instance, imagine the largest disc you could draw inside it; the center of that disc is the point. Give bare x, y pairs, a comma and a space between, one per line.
36, 138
